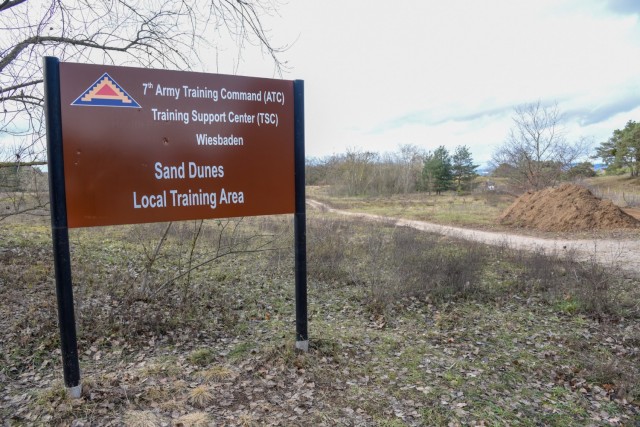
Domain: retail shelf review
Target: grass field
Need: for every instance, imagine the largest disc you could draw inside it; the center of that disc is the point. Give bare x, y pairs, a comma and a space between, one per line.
623, 190
405, 329
479, 210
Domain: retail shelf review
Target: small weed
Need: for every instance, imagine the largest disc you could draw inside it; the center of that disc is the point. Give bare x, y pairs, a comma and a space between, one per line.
325, 348
216, 373
246, 420
453, 378
202, 357
568, 305
157, 394
163, 368
240, 350
436, 415
55, 393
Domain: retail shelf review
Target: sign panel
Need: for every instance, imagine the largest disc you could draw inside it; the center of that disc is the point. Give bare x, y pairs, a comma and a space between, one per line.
146, 145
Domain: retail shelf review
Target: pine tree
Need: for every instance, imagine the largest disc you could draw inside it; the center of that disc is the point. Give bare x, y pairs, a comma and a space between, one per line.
462, 168
437, 171
622, 150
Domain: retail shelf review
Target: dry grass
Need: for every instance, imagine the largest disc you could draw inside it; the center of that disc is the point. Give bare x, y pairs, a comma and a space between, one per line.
142, 419
411, 329
200, 396
622, 190
217, 373
194, 419
202, 357
479, 210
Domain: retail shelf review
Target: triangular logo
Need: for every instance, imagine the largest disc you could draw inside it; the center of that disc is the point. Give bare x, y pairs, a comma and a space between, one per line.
105, 92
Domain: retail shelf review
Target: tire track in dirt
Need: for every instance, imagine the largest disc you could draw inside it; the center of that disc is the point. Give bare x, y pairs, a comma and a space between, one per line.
621, 254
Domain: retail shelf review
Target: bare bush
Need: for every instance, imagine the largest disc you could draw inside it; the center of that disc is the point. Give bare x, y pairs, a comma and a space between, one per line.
326, 249
137, 282
439, 271
23, 190
396, 263
357, 173
574, 286
393, 264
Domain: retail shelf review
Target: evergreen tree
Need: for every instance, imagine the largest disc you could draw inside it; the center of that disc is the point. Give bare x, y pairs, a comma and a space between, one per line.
436, 173
622, 150
462, 168
607, 152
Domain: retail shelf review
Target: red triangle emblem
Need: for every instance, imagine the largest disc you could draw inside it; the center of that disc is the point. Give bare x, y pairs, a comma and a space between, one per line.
105, 92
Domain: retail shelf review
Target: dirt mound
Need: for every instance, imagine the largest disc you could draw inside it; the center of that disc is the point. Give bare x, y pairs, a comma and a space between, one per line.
567, 207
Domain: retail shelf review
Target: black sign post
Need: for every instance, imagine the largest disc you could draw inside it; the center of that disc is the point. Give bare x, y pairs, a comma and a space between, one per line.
300, 219
59, 229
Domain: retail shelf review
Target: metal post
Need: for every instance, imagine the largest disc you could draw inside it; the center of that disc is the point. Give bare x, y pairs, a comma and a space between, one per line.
300, 227
59, 230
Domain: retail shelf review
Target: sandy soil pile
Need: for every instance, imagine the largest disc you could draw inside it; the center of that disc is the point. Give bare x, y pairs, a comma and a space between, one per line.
567, 207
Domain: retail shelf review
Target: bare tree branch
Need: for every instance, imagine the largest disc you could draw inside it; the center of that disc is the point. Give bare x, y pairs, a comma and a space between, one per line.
8, 4
19, 86
147, 33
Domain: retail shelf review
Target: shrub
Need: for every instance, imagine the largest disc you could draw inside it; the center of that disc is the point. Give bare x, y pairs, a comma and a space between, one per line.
326, 248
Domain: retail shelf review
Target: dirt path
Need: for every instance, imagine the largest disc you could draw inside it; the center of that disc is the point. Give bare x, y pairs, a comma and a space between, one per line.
624, 254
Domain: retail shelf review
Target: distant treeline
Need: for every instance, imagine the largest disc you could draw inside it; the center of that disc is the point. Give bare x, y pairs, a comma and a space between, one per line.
407, 170
16, 177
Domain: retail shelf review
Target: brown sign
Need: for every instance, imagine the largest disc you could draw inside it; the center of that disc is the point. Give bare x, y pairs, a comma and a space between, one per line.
146, 145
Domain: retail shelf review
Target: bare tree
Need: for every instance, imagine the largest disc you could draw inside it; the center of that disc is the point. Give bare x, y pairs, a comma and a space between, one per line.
537, 150
357, 170
411, 158
149, 33
358, 173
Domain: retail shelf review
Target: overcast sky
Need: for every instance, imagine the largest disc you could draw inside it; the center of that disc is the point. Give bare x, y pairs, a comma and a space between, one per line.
430, 73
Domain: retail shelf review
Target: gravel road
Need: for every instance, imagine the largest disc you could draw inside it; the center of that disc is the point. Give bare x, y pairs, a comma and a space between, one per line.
619, 253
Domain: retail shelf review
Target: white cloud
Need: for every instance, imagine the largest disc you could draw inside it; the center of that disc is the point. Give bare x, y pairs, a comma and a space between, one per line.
381, 74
